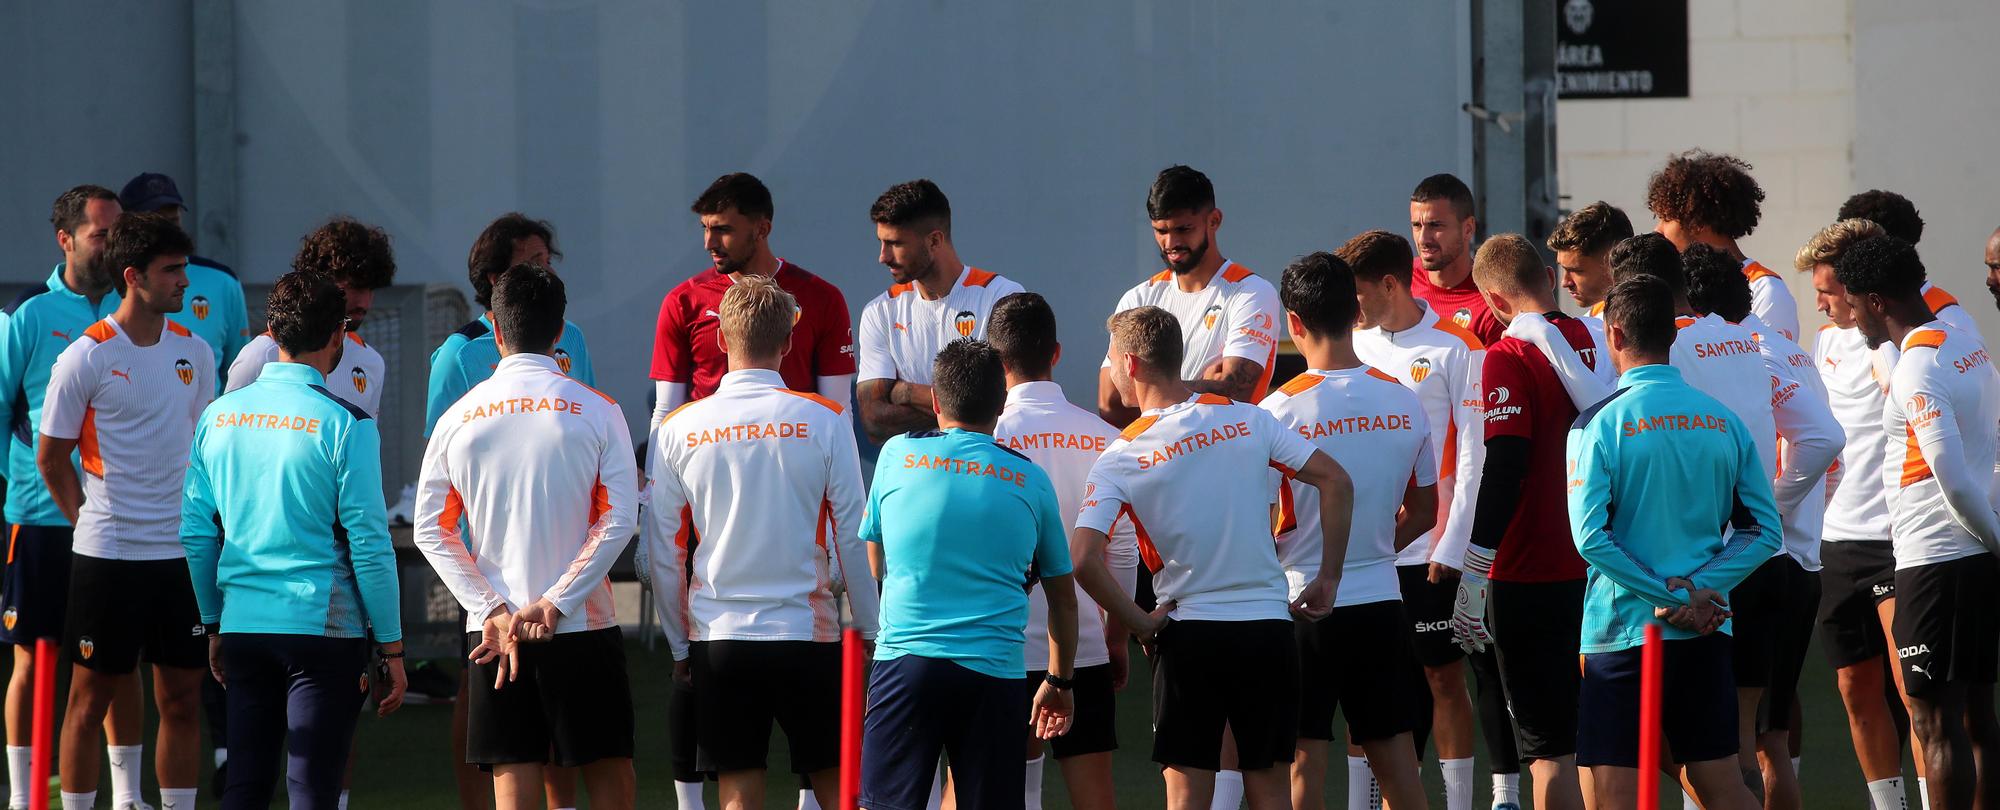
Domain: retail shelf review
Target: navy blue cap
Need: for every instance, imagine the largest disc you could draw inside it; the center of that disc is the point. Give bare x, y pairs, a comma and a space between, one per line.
151, 191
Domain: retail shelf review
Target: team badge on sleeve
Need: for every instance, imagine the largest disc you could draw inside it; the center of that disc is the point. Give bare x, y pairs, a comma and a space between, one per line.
562, 361
1420, 369
360, 379
200, 307
184, 370
86, 647
965, 322
10, 618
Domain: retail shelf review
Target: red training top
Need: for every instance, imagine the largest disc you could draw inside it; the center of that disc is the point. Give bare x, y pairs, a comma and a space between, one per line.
1460, 304
685, 349
1525, 398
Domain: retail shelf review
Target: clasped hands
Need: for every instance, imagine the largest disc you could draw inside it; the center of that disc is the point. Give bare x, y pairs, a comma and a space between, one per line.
1704, 613
505, 630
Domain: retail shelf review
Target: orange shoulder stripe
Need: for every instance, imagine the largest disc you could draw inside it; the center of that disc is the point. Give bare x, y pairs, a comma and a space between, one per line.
1825, 326
676, 411
1235, 273
100, 331
898, 289
1163, 275
179, 329
1755, 271
1928, 338
1137, 427
1378, 374
356, 337
1303, 382
1212, 399
830, 404
607, 397
1452, 328
975, 277
1683, 322
1938, 299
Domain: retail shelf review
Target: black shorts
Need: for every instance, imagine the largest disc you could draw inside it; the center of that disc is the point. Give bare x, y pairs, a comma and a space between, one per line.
1857, 577
1698, 704
746, 685
920, 707
1358, 658
1094, 727
1772, 626
1429, 606
35, 592
1948, 623
123, 610
1535, 628
1210, 673
570, 704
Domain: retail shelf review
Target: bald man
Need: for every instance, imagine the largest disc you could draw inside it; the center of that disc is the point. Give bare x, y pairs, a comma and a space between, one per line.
1993, 266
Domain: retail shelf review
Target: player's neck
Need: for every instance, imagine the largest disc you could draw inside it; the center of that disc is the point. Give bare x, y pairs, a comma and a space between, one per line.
1204, 271
141, 325
1722, 243
1404, 313
1016, 380
321, 361
1327, 354
947, 423
1904, 320
945, 270
742, 363
1161, 394
1454, 274
78, 282
762, 263
1681, 306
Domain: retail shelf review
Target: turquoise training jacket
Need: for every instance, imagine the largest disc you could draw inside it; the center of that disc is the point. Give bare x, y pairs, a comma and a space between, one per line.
468, 356
39, 325
1659, 472
283, 517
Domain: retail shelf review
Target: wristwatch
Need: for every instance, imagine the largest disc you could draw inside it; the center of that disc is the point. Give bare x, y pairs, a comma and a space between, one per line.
1058, 682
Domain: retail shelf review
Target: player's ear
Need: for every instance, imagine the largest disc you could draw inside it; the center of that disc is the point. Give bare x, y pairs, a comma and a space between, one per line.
1214, 218
763, 229
1293, 325
935, 407
722, 341
499, 340
1614, 338
1056, 358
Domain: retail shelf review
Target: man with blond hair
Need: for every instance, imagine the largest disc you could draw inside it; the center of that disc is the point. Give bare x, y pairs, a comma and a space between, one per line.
756, 631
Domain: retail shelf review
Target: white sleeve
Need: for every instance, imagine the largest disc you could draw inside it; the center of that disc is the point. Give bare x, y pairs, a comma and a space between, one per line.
204, 373
618, 486
848, 497
1103, 499
839, 388
666, 397
1956, 315
1288, 449
1772, 303
72, 383
666, 505
1585, 386
1254, 318
1468, 409
872, 359
248, 364
437, 535
1812, 436
1966, 482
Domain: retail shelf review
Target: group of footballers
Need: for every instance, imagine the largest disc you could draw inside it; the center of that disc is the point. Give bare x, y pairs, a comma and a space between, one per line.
1463, 474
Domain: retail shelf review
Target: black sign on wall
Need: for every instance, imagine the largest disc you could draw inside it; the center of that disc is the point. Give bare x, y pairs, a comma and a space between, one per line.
1621, 48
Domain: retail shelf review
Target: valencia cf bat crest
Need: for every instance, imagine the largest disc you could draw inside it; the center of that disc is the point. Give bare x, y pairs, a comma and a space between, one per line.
184, 370
562, 360
1420, 369
200, 307
965, 322
360, 380
1208, 317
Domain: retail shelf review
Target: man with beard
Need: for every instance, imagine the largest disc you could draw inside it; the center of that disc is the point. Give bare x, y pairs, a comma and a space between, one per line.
935, 300
358, 258
1230, 317
736, 214
39, 325
215, 311
1993, 265
1443, 227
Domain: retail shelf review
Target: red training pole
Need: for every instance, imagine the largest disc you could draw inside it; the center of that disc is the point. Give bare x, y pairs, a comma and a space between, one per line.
853, 670
1651, 670
45, 724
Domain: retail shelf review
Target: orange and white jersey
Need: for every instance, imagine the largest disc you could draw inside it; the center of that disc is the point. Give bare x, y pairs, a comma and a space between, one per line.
1944, 405
1377, 430
1857, 388
1065, 441
1721, 359
1771, 301
357, 378
901, 332
1441, 362
540, 467
1809, 441
769, 481
1236, 315
1946, 307
132, 411
1190, 478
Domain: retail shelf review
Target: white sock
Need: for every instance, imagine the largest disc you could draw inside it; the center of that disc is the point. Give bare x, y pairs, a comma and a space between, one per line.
1506, 789
1034, 786
343, 800
1887, 794
688, 794
79, 801
221, 757
1361, 791
1228, 791
1457, 783
20, 760
1924, 792
808, 800
1687, 802
183, 798
128, 764
1795, 765
937, 789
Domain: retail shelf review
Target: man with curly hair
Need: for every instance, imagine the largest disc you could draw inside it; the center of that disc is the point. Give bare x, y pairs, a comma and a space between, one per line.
359, 259
1711, 199
1898, 218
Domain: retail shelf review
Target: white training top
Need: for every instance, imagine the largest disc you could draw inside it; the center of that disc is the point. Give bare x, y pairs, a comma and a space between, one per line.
901, 333
1189, 478
132, 411
1809, 441
1065, 441
769, 481
1771, 301
1377, 430
1722, 360
1944, 402
1857, 387
1236, 315
357, 378
541, 469
1441, 362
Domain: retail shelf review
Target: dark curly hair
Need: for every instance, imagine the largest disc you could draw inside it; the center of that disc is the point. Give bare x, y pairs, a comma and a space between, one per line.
305, 310
493, 252
1715, 283
1894, 212
1883, 265
349, 252
137, 240
1706, 190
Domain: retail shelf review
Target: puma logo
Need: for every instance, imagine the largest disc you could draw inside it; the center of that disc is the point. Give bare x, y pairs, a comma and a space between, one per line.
63, 335
1923, 670
127, 377
711, 314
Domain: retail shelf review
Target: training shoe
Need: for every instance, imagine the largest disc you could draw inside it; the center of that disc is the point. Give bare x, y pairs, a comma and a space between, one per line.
138, 805
429, 684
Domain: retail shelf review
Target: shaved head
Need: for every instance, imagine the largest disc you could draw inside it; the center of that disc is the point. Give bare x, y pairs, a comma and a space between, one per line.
1993, 265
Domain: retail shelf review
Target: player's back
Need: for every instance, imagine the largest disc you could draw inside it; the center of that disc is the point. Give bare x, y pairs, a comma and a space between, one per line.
1525, 398
1377, 430
530, 459
1721, 359
761, 468
1943, 374
469, 355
